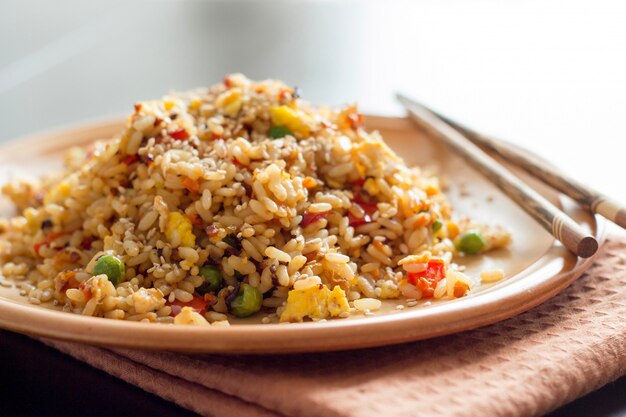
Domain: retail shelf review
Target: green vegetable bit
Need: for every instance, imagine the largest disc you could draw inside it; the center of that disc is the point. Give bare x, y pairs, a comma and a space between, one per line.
437, 224
232, 241
112, 267
471, 242
278, 132
212, 279
247, 302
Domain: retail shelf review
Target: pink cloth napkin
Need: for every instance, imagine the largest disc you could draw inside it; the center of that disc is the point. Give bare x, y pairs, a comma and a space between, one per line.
524, 366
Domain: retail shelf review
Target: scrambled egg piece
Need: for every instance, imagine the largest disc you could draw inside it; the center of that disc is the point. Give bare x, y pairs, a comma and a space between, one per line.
189, 317
316, 302
58, 193
147, 299
179, 230
295, 120
230, 102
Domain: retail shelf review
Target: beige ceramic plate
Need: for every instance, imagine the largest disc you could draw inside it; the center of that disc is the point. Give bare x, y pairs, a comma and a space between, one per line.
537, 267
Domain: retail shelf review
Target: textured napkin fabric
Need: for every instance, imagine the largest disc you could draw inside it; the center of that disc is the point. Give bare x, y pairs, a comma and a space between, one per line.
524, 366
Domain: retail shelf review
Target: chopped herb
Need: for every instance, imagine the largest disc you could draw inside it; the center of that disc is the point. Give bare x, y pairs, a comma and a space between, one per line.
277, 132
232, 295
46, 224
233, 241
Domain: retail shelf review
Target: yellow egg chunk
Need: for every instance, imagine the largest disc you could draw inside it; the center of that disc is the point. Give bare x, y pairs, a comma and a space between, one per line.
230, 102
179, 230
58, 193
295, 120
337, 302
188, 316
316, 302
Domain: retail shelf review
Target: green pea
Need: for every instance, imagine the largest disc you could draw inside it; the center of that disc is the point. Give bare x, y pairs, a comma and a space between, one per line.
437, 226
471, 242
112, 267
212, 279
247, 302
278, 132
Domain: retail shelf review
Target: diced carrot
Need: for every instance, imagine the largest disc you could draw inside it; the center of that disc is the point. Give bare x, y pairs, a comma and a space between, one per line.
86, 289
460, 289
211, 299
309, 182
285, 93
422, 220
195, 219
355, 119
191, 185
46, 241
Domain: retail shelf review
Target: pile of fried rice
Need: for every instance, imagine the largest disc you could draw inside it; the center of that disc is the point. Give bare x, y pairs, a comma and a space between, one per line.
236, 200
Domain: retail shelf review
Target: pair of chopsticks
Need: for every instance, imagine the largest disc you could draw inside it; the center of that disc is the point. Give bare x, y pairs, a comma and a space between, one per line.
468, 144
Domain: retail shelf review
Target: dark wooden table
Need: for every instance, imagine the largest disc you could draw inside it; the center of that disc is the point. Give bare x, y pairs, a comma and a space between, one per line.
39, 381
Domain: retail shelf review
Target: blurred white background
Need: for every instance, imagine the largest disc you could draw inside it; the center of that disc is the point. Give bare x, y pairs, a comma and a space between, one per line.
548, 75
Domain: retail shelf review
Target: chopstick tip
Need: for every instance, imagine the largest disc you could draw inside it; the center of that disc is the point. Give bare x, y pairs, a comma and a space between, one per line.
402, 98
587, 247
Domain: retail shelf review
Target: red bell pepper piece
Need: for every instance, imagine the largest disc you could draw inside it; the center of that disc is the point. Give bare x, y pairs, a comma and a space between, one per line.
131, 159
427, 279
198, 303
86, 243
179, 134
308, 218
368, 208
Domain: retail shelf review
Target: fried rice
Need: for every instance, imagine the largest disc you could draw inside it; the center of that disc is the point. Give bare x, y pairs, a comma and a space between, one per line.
236, 200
